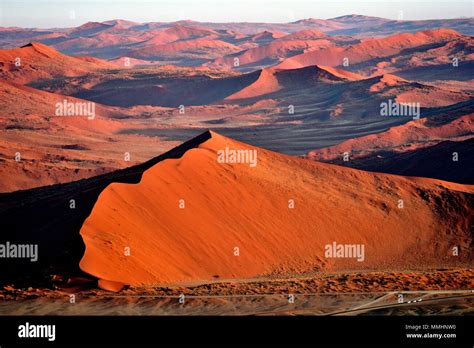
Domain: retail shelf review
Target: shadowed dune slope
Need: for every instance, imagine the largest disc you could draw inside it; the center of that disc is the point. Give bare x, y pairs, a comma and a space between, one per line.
141, 234
54, 226
409, 136
434, 161
424, 147
17, 99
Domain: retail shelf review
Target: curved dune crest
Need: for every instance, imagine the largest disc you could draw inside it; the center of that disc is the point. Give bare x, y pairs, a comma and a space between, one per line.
195, 219
266, 83
369, 49
273, 80
385, 81
343, 74
416, 133
39, 61
273, 51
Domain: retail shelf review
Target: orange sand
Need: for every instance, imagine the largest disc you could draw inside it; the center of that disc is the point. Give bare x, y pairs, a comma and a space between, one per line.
235, 205
369, 48
39, 61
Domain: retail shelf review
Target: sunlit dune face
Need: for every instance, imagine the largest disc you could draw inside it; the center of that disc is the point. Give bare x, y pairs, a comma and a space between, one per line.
198, 217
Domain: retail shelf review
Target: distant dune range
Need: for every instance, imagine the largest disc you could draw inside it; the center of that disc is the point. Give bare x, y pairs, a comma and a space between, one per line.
235, 205
371, 48
115, 38
437, 147
434, 161
137, 108
369, 58
410, 136
203, 87
367, 55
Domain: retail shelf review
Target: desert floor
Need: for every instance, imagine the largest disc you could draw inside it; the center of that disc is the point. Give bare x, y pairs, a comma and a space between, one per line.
434, 292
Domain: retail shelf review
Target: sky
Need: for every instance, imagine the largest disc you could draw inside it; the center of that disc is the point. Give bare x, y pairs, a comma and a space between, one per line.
70, 13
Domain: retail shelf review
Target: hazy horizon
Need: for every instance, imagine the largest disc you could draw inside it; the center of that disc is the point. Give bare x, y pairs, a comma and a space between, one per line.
72, 13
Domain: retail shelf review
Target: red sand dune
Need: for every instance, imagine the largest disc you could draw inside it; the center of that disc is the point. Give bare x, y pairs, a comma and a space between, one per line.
341, 73
409, 136
275, 51
432, 96
308, 34
101, 40
89, 28
426, 95
272, 80
207, 47
266, 36
370, 48
461, 48
137, 233
266, 83
180, 32
39, 61
387, 80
